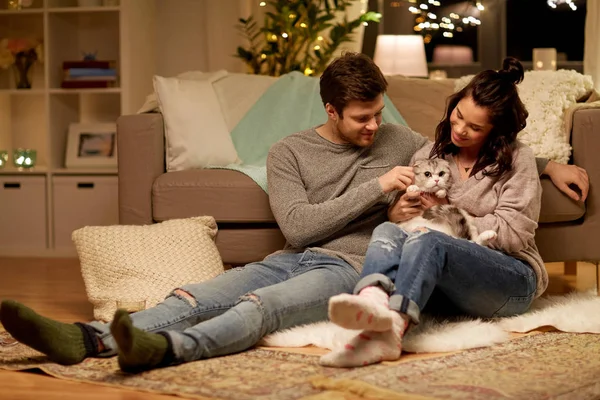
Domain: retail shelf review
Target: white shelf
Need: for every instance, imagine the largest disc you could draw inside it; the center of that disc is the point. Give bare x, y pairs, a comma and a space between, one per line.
10, 170
24, 92
84, 171
39, 118
91, 91
22, 11
82, 9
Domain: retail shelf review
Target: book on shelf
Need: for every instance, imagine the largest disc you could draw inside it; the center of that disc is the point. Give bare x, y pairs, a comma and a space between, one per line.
88, 84
89, 72
90, 64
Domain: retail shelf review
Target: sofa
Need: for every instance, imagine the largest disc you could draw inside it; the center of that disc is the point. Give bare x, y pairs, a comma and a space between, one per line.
568, 230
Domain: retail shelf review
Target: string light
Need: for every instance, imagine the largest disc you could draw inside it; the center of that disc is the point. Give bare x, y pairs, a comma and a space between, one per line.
427, 20
556, 3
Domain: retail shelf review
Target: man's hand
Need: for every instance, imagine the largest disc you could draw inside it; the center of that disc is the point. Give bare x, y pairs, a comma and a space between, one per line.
406, 207
398, 178
564, 175
429, 200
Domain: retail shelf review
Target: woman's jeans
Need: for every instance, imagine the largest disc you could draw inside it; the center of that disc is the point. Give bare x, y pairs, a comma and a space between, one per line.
233, 311
431, 268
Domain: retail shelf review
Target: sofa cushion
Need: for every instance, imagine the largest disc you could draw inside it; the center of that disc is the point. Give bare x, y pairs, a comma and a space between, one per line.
228, 196
557, 206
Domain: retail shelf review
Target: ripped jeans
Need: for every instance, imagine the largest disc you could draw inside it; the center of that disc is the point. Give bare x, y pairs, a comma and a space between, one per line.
233, 311
429, 269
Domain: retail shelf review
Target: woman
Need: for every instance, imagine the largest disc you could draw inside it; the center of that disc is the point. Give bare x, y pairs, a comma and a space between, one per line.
496, 180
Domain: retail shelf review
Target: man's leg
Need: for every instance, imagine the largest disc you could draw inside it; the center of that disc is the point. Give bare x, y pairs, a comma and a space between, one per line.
185, 307
299, 300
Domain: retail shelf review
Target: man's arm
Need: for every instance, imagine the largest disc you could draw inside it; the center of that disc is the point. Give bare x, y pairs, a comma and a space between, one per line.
303, 223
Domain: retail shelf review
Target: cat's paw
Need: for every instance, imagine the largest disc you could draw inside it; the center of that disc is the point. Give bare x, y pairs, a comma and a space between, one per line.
413, 188
440, 194
486, 236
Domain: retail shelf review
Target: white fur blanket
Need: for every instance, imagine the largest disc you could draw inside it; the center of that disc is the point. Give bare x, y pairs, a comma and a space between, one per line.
575, 312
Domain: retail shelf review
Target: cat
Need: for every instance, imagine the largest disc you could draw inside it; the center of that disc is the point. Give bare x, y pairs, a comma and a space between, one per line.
433, 176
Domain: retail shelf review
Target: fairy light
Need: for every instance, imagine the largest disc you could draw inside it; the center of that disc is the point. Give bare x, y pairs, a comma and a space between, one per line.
262, 3
556, 3
426, 19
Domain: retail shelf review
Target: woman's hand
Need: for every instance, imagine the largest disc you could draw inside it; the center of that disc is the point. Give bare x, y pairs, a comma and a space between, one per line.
563, 175
406, 207
429, 200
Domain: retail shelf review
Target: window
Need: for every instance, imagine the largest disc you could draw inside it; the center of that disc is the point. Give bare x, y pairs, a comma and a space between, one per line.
532, 23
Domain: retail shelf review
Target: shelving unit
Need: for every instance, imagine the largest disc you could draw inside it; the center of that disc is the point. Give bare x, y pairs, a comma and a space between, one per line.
39, 118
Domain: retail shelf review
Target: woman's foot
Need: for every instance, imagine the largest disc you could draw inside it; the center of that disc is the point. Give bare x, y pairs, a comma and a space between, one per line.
370, 347
368, 310
138, 350
63, 343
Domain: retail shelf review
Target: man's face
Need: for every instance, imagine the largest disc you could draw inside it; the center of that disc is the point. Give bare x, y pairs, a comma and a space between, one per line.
360, 122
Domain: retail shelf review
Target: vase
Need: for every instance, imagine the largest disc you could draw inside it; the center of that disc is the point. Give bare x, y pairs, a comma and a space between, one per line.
22, 71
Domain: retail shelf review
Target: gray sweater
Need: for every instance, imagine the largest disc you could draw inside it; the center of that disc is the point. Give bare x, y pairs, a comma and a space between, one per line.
327, 196
509, 205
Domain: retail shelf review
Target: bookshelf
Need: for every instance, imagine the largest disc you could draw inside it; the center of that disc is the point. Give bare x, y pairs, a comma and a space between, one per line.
41, 206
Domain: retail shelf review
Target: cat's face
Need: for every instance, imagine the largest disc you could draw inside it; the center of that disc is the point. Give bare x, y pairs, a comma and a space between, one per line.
432, 175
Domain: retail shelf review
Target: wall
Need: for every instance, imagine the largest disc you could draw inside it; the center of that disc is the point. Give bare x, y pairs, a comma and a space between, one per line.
200, 34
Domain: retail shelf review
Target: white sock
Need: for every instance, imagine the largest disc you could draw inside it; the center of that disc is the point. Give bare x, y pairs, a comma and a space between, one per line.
370, 347
367, 310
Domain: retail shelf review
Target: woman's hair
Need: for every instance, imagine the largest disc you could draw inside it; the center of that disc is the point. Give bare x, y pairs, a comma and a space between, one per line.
497, 92
353, 76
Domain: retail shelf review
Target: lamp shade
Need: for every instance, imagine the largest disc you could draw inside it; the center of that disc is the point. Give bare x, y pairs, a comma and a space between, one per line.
452, 55
401, 55
544, 59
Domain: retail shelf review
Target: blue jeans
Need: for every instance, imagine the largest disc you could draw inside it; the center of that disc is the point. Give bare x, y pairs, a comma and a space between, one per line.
233, 311
417, 267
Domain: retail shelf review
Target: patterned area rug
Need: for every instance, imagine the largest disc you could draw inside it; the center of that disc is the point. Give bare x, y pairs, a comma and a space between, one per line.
539, 366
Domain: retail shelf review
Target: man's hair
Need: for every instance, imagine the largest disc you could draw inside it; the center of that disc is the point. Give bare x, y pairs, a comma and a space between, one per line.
352, 76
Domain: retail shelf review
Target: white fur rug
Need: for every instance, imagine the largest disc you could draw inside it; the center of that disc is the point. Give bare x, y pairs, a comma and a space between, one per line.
577, 312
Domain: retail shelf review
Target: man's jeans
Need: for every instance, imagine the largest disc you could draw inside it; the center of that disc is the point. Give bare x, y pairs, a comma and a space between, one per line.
417, 267
233, 311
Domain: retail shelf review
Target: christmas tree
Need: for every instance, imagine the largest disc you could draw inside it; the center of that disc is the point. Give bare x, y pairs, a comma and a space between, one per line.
298, 35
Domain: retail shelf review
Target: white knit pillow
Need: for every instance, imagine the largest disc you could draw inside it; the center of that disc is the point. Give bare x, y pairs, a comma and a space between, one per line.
136, 267
547, 95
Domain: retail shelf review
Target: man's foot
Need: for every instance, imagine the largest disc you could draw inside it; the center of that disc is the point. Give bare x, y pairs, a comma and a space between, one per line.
138, 350
368, 310
62, 343
369, 347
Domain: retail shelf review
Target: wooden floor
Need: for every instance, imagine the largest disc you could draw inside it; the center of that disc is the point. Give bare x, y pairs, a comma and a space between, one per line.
54, 288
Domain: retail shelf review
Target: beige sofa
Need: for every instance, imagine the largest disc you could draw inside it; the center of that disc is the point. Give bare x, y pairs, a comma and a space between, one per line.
568, 230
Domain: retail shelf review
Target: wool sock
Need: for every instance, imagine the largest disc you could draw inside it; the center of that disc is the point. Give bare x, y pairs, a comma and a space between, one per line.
370, 347
138, 350
367, 310
63, 343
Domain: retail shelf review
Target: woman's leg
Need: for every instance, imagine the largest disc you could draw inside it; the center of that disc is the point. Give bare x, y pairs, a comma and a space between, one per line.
370, 310
480, 281
299, 300
71, 343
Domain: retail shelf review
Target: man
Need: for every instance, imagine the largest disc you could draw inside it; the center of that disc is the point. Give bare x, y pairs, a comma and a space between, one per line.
329, 187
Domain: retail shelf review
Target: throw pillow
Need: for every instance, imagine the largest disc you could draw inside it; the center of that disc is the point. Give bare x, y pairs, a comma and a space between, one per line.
196, 133
136, 267
547, 95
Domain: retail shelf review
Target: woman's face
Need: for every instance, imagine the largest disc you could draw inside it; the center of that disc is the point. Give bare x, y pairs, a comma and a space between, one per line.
470, 124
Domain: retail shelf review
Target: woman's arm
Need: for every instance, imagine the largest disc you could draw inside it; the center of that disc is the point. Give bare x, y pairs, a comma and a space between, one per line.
518, 209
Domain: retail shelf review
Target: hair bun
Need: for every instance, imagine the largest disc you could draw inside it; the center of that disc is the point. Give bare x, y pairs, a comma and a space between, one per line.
512, 70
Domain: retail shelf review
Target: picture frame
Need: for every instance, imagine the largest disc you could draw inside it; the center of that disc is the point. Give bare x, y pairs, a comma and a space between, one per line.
92, 145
